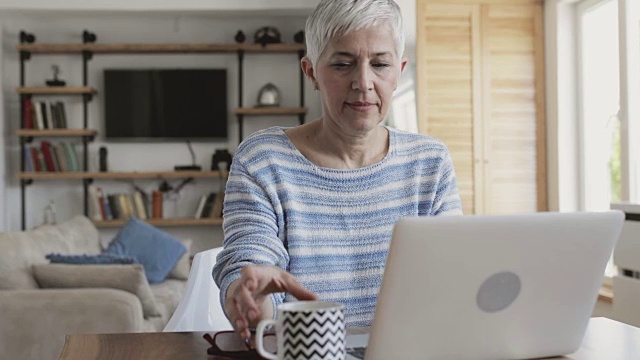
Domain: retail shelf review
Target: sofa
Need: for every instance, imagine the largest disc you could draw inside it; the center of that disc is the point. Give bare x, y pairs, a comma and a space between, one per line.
40, 303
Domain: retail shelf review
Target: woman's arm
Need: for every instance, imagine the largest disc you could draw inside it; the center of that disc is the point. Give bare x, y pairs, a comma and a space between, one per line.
251, 270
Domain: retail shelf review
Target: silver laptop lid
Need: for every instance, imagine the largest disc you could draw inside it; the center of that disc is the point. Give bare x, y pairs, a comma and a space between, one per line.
491, 287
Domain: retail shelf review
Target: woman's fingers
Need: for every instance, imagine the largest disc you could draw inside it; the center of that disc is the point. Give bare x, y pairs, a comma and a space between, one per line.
286, 282
255, 284
246, 311
238, 322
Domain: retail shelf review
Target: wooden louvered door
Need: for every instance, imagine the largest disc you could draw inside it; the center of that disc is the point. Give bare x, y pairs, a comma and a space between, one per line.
449, 42
480, 90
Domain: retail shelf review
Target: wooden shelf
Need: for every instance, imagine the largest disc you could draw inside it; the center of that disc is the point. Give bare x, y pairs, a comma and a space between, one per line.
265, 111
120, 175
164, 222
158, 48
56, 132
273, 48
56, 90
52, 175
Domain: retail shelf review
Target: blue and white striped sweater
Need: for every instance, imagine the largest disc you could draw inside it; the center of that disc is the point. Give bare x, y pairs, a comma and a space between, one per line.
330, 228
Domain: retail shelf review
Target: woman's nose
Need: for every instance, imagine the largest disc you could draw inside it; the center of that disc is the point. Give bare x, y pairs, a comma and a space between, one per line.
362, 79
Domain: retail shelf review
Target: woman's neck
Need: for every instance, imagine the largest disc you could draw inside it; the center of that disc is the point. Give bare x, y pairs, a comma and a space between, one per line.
328, 147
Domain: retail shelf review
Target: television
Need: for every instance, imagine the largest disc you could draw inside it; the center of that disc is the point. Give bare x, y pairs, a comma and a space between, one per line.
188, 104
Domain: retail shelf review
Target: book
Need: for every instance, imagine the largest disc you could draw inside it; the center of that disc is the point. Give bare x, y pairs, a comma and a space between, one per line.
126, 211
45, 117
39, 122
145, 202
139, 204
45, 146
100, 195
203, 200
72, 157
54, 115
33, 116
35, 158
94, 205
131, 205
28, 114
54, 156
156, 204
28, 162
208, 205
107, 207
63, 115
41, 161
52, 120
62, 157
113, 205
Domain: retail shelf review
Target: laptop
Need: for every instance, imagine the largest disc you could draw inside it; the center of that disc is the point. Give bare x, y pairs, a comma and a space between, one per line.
489, 287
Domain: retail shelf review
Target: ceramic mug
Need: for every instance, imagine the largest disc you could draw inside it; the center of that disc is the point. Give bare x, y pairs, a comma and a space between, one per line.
306, 330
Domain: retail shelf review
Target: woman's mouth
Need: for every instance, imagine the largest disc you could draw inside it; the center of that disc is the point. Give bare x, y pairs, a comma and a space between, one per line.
362, 106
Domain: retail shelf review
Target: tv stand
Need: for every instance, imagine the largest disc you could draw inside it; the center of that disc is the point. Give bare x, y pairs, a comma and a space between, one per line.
187, 168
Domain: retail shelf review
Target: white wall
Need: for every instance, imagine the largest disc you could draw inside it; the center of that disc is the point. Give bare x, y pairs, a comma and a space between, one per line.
251, 7
160, 5
60, 27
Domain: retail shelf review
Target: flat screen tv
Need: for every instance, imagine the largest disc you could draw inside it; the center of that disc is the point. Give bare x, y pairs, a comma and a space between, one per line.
165, 104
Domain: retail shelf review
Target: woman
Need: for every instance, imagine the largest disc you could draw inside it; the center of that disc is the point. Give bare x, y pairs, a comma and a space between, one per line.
309, 210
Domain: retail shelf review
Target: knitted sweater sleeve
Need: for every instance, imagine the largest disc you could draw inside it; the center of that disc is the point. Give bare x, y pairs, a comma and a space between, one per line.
447, 199
250, 231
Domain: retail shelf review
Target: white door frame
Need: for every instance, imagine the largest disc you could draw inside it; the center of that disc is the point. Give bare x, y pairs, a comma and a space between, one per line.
629, 15
581, 8
4, 154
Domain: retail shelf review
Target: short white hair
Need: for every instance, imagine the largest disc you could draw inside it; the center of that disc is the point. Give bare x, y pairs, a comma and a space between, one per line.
333, 18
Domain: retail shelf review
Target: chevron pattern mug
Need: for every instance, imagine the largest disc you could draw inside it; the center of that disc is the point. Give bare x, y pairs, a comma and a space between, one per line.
307, 330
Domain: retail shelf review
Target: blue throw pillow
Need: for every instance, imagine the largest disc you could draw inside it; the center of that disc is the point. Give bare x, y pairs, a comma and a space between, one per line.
90, 259
155, 249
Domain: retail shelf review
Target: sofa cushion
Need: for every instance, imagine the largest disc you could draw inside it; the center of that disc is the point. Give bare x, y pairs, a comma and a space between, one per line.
130, 278
81, 235
20, 250
182, 268
168, 295
156, 250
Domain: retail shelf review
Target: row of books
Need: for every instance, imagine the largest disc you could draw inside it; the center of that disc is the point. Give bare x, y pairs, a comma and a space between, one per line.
118, 206
51, 157
210, 206
44, 115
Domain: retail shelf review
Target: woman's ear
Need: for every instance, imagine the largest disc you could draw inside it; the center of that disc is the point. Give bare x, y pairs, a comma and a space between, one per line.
403, 64
307, 69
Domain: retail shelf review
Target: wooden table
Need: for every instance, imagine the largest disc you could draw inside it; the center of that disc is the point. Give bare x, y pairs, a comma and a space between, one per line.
605, 339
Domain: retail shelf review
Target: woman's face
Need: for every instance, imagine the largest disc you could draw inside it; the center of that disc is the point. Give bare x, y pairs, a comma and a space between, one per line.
357, 74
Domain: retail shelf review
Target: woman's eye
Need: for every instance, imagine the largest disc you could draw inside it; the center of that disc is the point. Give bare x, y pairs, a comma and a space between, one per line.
381, 65
340, 65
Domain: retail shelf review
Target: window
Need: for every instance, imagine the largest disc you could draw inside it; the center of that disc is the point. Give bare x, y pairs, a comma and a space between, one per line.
599, 99
606, 171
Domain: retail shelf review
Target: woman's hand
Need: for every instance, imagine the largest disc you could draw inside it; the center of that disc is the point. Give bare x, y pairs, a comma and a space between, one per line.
247, 300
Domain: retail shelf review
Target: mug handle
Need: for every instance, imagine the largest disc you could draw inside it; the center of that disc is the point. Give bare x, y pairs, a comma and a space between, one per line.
260, 336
